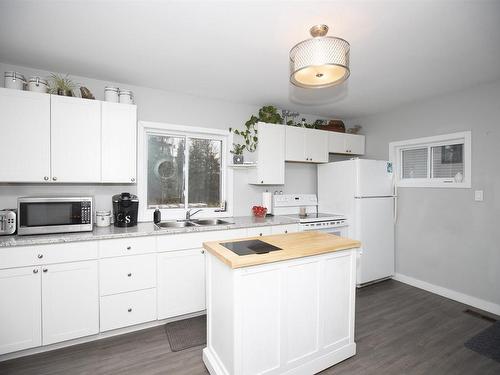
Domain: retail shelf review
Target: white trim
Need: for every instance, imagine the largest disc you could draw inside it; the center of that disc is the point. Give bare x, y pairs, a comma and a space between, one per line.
395, 149
145, 214
451, 294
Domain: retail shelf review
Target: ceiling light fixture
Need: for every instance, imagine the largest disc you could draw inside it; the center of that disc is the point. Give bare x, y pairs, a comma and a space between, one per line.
321, 61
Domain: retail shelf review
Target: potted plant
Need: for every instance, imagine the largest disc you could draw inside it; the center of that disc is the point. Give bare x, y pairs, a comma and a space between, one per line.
61, 85
237, 152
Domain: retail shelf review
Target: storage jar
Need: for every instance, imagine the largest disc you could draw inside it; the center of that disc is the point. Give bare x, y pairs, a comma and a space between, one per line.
126, 97
103, 218
14, 80
38, 84
111, 94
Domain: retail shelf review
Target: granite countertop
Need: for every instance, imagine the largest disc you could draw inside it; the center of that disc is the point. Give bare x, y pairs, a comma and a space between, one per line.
292, 245
142, 229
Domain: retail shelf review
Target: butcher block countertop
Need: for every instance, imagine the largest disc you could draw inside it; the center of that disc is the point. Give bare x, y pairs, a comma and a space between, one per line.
293, 245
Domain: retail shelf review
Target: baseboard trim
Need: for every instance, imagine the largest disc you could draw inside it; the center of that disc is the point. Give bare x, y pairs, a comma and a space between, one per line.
451, 294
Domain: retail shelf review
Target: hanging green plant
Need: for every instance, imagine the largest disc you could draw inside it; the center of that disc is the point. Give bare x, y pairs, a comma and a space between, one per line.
267, 114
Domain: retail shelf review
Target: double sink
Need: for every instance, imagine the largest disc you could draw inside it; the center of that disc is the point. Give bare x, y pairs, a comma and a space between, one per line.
192, 223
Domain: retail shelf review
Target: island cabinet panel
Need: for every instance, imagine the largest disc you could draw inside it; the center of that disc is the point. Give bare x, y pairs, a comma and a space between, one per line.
301, 310
260, 320
181, 282
294, 316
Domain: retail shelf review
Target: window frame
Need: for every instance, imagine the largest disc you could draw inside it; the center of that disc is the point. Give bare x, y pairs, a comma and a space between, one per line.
395, 156
146, 128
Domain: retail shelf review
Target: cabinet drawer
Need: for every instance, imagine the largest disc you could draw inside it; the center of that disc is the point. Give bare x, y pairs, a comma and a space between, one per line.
195, 240
283, 229
258, 231
20, 256
125, 274
126, 309
127, 246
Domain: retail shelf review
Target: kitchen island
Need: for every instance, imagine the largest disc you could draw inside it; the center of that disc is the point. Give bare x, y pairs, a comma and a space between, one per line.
286, 311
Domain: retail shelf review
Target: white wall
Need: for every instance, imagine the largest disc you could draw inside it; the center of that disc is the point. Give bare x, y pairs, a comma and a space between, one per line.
443, 236
168, 107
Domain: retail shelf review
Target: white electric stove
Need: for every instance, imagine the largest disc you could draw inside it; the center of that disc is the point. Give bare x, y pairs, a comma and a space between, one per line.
289, 205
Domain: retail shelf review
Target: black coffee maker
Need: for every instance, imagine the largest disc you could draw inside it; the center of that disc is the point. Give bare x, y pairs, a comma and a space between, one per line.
125, 208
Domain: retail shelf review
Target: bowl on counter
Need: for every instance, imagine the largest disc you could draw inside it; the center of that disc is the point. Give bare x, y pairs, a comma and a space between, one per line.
259, 211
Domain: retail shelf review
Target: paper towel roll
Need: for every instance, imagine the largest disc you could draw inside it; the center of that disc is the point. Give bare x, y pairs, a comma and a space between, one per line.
267, 201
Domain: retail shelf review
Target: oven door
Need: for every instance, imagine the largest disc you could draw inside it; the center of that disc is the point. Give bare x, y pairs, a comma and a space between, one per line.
338, 231
53, 215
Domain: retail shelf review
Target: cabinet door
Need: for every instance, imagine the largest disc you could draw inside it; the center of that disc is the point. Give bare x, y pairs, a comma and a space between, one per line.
355, 144
25, 134
75, 139
70, 301
181, 282
20, 309
316, 146
271, 155
119, 127
295, 144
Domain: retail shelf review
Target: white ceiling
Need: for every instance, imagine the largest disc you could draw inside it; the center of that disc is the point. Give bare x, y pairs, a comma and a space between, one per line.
238, 50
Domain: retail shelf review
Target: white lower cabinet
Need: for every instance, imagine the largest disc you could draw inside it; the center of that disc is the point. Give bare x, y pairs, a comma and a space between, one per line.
126, 309
181, 282
20, 309
70, 301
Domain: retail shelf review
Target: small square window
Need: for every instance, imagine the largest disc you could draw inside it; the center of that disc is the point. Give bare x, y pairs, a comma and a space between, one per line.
414, 163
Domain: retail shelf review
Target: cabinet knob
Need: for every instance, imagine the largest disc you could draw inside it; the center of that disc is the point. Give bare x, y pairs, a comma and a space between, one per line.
46, 178
286, 232
262, 182
203, 251
40, 256
45, 270
35, 270
54, 178
129, 247
132, 179
260, 234
129, 309
129, 274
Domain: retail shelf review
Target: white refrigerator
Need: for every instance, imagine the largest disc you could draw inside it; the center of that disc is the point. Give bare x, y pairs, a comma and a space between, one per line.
363, 190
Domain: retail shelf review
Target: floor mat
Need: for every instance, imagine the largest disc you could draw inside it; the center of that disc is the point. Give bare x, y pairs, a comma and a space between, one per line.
487, 342
187, 333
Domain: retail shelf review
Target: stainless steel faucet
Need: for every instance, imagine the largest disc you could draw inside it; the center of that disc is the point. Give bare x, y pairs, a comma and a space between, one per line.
189, 214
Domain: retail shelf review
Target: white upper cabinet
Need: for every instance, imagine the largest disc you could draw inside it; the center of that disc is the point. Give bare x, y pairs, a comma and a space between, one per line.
119, 128
25, 134
306, 145
270, 168
342, 143
51, 138
76, 139
316, 148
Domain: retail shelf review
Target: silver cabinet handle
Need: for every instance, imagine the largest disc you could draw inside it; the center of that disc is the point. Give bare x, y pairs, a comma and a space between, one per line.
45, 270
129, 247
129, 309
54, 178
35, 270
46, 178
132, 179
40, 256
129, 274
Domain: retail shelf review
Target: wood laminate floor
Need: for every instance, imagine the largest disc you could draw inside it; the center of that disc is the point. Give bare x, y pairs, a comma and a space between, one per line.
399, 330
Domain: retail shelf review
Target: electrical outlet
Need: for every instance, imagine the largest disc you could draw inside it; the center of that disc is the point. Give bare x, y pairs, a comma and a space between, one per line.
478, 195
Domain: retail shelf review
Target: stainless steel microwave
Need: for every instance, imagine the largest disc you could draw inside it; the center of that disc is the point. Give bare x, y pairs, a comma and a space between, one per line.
42, 215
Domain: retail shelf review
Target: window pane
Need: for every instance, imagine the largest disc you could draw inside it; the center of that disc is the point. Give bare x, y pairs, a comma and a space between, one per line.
204, 182
166, 171
447, 162
414, 163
